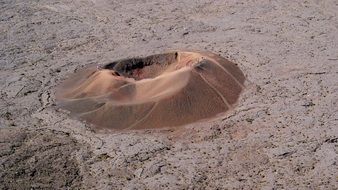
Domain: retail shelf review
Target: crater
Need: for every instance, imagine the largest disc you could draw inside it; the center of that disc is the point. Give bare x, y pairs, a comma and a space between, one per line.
164, 90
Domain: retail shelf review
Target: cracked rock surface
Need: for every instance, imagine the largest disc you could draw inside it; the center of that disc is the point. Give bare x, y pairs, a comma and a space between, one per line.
282, 134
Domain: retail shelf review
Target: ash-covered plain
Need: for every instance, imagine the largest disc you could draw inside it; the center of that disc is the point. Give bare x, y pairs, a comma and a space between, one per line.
282, 133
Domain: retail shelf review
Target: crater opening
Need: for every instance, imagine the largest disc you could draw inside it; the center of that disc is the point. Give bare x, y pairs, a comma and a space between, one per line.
164, 90
142, 68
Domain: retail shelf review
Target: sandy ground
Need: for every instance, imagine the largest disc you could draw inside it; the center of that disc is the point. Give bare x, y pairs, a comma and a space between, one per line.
283, 133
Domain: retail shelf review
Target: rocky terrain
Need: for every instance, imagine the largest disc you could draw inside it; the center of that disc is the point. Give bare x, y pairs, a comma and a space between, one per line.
282, 134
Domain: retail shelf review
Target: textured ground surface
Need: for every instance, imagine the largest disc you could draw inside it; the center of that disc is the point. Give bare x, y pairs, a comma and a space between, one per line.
282, 134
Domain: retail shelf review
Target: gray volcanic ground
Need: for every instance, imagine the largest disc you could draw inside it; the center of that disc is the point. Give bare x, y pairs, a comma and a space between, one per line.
281, 135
